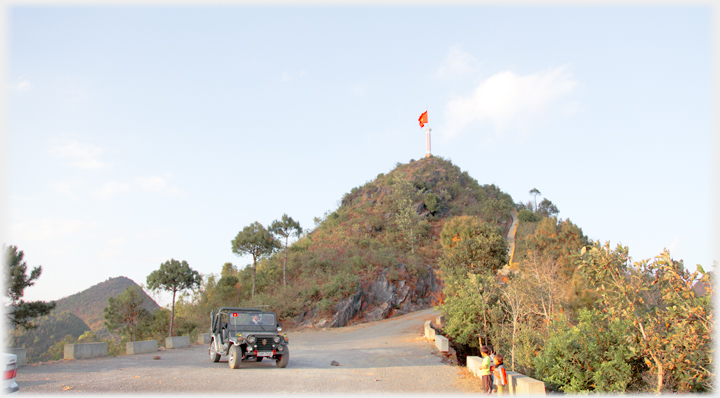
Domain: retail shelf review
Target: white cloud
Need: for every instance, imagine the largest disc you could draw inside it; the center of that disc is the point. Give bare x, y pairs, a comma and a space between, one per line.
110, 189
676, 246
508, 100
114, 249
159, 185
23, 86
65, 188
79, 155
457, 63
357, 90
288, 77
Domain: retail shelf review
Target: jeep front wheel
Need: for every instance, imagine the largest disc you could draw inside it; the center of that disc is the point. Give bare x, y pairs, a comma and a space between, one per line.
235, 357
284, 358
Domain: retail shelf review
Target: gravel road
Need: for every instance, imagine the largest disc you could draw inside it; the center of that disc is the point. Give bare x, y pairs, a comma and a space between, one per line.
388, 356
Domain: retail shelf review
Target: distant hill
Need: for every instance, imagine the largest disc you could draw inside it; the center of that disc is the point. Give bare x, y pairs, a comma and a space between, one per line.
88, 305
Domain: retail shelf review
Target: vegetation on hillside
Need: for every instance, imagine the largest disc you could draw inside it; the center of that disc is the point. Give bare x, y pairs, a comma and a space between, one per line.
577, 314
50, 329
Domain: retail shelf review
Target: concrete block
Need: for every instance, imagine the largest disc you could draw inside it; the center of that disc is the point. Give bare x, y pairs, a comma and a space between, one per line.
21, 354
511, 380
141, 347
177, 341
440, 320
473, 364
442, 343
85, 350
524, 385
429, 331
204, 338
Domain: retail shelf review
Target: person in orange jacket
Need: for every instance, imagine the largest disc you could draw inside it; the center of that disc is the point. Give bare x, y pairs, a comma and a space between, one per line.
501, 379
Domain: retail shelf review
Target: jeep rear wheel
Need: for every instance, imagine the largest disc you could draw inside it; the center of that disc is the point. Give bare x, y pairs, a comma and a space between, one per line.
214, 356
235, 357
284, 358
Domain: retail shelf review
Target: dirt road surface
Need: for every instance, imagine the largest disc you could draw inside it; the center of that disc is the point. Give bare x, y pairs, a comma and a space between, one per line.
388, 356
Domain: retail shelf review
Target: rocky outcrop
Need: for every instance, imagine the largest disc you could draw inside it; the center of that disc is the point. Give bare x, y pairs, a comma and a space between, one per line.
384, 298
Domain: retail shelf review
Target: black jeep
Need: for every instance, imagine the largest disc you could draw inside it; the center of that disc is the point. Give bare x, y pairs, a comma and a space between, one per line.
247, 334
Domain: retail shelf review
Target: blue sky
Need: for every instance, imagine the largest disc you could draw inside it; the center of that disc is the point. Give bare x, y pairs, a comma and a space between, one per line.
140, 134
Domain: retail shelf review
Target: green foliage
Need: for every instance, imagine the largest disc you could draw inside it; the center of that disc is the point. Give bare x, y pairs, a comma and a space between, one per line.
535, 193
256, 241
495, 210
469, 298
672, 327
406, 219
593, 355
560, 241
528, 216
472, 253
432, 202
125, 314
173, 276
547, 209
472, 245
284, 228
21, 312
50, 329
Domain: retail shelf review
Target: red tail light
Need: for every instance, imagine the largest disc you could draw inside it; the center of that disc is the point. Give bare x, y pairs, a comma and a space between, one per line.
10, 373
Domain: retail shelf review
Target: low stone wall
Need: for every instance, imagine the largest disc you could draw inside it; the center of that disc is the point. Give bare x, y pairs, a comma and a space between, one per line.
518, 384
473, 364
85, 350
141, 347
429, 331
442, 343
177, 341
524, 385
21, 354
204, 338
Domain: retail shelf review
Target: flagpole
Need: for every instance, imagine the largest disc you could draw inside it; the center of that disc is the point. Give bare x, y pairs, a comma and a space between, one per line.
427, 141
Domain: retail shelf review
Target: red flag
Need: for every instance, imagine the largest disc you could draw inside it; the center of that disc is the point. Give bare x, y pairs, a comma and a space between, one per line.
423, 119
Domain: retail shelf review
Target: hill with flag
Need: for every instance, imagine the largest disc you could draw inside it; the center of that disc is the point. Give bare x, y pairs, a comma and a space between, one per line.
375, 256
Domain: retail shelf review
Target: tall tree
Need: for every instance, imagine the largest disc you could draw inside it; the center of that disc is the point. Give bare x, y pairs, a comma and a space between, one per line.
21, 312
547, 208
285, 227
173, 276
472, 253
256, 241
125, 313
534, 192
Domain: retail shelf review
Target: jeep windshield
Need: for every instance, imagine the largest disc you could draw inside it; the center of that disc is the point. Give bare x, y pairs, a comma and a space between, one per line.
240, 319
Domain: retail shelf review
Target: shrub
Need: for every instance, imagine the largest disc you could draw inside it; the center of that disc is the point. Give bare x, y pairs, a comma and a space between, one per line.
432, 202
528, 216
592, 356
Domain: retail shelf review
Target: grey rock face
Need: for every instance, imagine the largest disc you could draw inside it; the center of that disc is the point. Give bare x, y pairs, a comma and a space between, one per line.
381, 298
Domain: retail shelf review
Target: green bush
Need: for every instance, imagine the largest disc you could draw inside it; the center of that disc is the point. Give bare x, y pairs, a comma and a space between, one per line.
432, 202
528, 216
592, 356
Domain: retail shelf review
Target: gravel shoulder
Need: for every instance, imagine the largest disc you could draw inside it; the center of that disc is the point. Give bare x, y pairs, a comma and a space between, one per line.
388, 356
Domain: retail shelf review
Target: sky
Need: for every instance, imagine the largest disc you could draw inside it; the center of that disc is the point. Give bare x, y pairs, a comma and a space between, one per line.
136, 135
